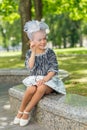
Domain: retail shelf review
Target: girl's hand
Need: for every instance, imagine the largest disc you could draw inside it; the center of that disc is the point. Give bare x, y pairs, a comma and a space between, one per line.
40, 82
33, 46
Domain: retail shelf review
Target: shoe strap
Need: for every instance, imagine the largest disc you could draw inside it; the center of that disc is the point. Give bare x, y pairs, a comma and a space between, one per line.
20, 112
25, 112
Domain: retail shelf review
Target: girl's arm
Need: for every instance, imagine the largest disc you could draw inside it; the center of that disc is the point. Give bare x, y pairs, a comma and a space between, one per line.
31, 60
32, 57
49, 76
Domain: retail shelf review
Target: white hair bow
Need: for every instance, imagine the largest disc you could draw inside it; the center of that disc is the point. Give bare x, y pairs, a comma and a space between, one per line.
34, 26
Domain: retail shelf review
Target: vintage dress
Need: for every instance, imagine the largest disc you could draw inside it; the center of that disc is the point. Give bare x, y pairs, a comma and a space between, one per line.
44, 63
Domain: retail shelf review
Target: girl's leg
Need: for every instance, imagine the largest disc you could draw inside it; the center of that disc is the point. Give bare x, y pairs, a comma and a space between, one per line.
27, 97
40, 92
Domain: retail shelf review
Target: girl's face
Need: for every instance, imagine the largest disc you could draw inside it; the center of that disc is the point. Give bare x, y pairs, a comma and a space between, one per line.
40, 39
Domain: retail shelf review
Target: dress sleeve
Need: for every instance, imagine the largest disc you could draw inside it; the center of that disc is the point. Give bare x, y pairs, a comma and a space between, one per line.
52, 61
28, 54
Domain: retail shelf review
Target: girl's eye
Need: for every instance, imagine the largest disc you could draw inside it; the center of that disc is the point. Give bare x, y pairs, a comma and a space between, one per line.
45, 38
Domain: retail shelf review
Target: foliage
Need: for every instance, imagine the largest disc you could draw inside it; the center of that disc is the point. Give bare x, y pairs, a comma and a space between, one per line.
65, 18
11, 33
9, 10
10, 24
84, 28
77, 9
69, 26
65, 30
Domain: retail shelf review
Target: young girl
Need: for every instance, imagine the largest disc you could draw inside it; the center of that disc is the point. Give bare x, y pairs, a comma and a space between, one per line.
42, 65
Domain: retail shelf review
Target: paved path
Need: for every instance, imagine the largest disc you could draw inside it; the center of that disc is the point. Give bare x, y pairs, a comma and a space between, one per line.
6, 116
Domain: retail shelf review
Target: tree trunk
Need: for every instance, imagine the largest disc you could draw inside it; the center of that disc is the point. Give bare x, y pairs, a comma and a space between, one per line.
64, 41
81, 42
38, 9
25, 14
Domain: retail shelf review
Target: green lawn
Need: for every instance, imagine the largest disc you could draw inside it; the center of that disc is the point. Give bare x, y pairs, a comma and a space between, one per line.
77, 68
11, 60
75, 64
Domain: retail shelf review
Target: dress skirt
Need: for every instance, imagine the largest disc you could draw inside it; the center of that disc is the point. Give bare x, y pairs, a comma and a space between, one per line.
55, 83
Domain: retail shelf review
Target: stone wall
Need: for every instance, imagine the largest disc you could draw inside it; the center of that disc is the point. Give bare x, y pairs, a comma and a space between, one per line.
55, 111
12, 76
67, 112
15, 76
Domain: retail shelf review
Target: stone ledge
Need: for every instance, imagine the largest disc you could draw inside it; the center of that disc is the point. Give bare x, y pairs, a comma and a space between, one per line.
17, 72
70, 106
13, 77
17, 91
59, 112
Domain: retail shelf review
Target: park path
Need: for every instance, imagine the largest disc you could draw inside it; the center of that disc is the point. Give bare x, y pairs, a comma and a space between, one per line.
6, 116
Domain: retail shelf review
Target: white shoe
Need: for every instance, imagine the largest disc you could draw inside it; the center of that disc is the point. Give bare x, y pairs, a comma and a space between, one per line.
24, 122
16, 119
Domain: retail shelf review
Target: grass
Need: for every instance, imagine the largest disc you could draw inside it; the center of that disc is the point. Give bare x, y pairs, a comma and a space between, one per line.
75, 64
71, 51
11, 60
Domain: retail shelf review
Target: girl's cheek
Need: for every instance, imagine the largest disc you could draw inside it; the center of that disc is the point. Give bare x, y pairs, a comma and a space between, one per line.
38, 43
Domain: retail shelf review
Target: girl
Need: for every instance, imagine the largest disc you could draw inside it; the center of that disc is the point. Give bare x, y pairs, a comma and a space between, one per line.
42, 65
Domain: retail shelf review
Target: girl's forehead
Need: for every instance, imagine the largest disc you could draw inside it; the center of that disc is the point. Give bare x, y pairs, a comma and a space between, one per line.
39, 34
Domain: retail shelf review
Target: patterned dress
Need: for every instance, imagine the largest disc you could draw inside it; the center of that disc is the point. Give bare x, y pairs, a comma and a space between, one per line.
44, 63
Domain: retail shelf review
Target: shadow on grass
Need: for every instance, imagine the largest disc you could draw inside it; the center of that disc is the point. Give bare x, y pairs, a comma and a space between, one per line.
77, 67
11, 62
74, 63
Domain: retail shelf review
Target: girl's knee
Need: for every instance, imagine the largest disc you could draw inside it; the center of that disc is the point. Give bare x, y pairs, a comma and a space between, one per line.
31, 90
41, 89
44, 89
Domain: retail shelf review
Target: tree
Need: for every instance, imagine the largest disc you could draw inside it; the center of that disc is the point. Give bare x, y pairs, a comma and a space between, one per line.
38, 9
63, 30
8, 14
25, 14
76, 10
9, 10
